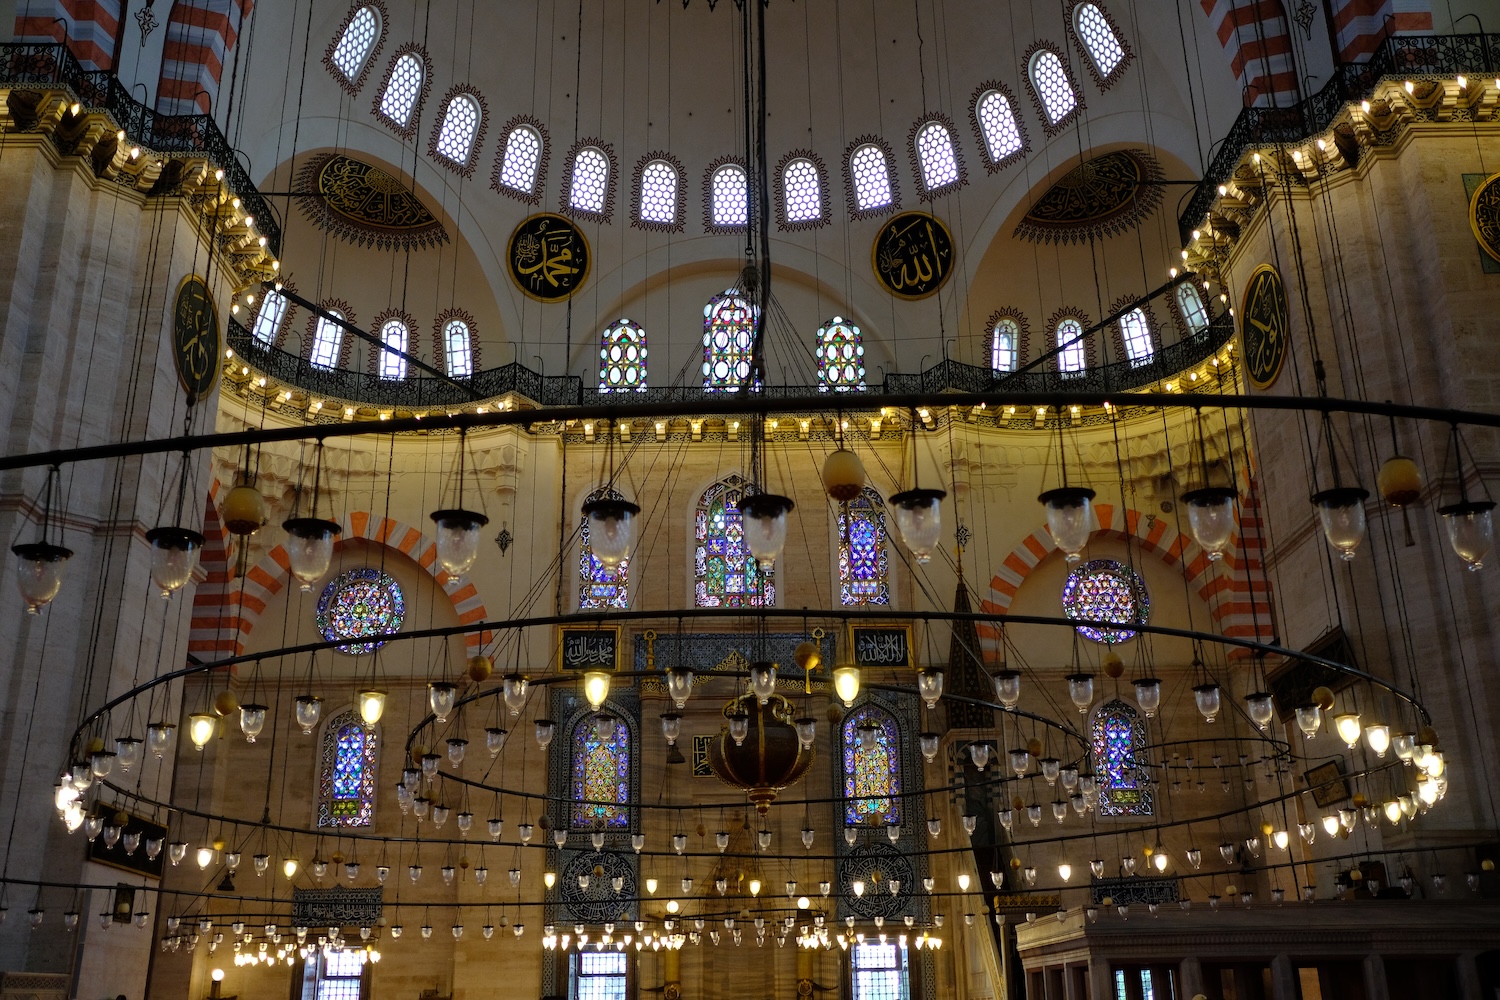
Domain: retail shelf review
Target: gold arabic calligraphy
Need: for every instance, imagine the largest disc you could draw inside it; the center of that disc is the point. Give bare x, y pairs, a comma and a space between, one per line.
913, 254
548, 257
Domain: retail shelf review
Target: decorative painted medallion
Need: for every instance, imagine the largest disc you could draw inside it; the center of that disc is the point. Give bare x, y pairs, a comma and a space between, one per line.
1484, 215
912, 255
195, 337
548, 257
364, 205
358, 603
1263, 326
1101, 196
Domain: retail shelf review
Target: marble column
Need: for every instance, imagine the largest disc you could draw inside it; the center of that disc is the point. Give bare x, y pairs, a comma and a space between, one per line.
1284, 979
1191, 972
1376, 987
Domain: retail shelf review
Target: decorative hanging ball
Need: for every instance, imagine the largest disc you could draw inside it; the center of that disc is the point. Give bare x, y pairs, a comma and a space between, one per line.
480, 667
1018, 804
1360, 801
843, 475
244, 511
96, 745
835, 714
1323, 697
1015, 863
337, 857
1114, 667
545, 822
418, 751
219, 844
1355, 875
122, 819
226, 703
1150, 850
1266, 829
1488, 864
1034, 746
1427, 735
1399, 481
463, 861
807, 656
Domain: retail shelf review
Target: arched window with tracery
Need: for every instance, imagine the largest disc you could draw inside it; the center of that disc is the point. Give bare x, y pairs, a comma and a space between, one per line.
1072, 355
599, 586
599, 778
724, 573
1107, 55
1053, 87
405, 83
521, 162
728, 331
658, 195
864, 570
589, 181
458, 348
1194, 312
622, 357
871, 767
268, 319
938, 165
996, 118
353, 48
802, 203
396, 337
728, 198
346, 772
841, 357
1116, 735
870, 179
1005, 345
1135, 333
460, 127
328, 341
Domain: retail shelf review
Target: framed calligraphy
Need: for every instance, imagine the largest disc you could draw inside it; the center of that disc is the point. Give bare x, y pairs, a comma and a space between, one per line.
700, 755
912, 255
582, 648
548, 257
881, 645
195, 337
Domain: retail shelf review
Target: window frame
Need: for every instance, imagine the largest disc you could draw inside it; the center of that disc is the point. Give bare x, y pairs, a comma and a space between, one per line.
991, 164
1014, 348
440, 340
902, 970
709, 308
1182, 312
767, 579
353, 85
586, 580
408, 128
679, 197
539, 180
369, 781
341, 348
851, 188
575, 962
570, 165
1102, 79
1023, 339
378, 355
783, 220
1147, 330
868, 501
279, 328
919, 127
626, 811
312, 983
1033, 53
1139, 738
858, 385
1083, 346
460, 92
710, 224
606, 341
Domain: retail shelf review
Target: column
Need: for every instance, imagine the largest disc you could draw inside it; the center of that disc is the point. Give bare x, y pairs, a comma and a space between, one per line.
1191, 972
1376, 987
1466, 967
1283, 979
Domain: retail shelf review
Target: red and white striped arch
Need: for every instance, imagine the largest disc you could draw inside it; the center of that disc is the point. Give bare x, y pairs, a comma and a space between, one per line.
1237, 592
88, 27
225, 613
200, 34
1257, 37
1359, 26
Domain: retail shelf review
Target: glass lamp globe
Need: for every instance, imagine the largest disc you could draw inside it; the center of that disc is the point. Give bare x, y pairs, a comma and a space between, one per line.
679, 686
1008, 688
201, 728
930, 685
1069, 518
846, 684
1378, 739
1208, 700
1309, 719
128, 752
1348, 727
807, 730
763, 680
1148, 695
611, 524
441, 696
494, 740
545, 730
1081, 691
739, 727
458, 539
1341, 511
595, 688
371, 705
1260, 708
671, 727
513, 690
1211, 518
979, 753
39, 568
764, 518
928, 743
308, 710
919, 520
252, 721
1020, 761
1405, 745
1471, 530
174, 556
309, 548
457, 746
159, 736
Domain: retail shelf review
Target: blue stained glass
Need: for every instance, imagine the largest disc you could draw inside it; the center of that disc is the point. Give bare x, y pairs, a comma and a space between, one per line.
872, 775
1124, 788
600, 776
346, 780
863, 569
1104, 590
599, 586
725, 574
360, 602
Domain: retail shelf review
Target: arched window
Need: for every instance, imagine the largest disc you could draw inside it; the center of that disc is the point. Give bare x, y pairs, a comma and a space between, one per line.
462, 118
268, 319
725, 575
870, 178
600, 777
998, 125
1099, 39
328, 341
590, 186
354, 45
1135, 331
728, 329
864, 573
802, 191
659, 194
841, 357
622, 358
1116, 735
1194, 312
879, 971
346, 776
935, 154
598, 585
458, 348
872, 768
521, 161
1049, 78
1072, 358
729, 205
402, 89
1005, 345
396, 337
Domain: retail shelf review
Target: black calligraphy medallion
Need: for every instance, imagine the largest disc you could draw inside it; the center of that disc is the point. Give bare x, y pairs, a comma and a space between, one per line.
1484, 215
912, 255
195, 337
1263, 326
548, 256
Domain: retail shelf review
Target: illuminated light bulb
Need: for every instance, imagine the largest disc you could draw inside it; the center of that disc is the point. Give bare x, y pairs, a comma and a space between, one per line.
1348, 728
595, 688
1159, 861
289, 867
755, 887
371, 706
846, 681
1281, 839
549, 879
1064, 872
200, 729
858, 887
1331, 824
1378, 739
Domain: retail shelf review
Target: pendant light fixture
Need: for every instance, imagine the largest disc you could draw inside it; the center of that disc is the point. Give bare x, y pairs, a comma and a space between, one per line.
1210, 509
40, 563
1341, 509
174, 549
918, 512
309, 543
1470, 523
610, 517
457, 527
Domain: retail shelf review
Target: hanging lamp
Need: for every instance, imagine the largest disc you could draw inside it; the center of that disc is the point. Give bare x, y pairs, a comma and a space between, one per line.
458, 528
918, 512
40, 565
1470, 523
309, 544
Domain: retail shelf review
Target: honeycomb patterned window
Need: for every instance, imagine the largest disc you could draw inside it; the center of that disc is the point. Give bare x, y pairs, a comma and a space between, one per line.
1005, 345
590, 180
871, 176
401, 91
395, 336
1072, 359
455, 139
935, 154
1099, 38
460, 351
328, 338
659, 193
730, 204
523, 155
1051, 82
354, 44
268, 319
1136, 333
801, 191
997, 120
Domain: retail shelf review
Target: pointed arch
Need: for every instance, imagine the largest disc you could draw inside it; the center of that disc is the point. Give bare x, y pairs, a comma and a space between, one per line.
353, 49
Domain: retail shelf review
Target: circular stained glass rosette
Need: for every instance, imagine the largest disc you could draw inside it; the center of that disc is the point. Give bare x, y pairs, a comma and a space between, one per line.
358, 603
1103, 590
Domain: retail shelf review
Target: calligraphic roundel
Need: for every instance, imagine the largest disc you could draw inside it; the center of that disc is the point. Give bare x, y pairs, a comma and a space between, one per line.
912, 255
548, 257
195, 337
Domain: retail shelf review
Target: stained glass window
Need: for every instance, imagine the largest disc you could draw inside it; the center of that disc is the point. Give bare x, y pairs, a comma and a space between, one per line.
622, 358
802, 191
358, 603
590, 186
523, 156
879, 971
458, 348
328, 341
935, 154
1050, 79
1098, 37
725, 575
1104, 590
268, 319
401, 92
872, 774
1005, 345
354, 44
997, 120
728, 330
461, 120
1193, 311
598, 585
346, 779
841, 357
1072, 356
870, 176
1124, 787
659, 193
863, 571
1136, 333
394, 335
600, 783
599, 975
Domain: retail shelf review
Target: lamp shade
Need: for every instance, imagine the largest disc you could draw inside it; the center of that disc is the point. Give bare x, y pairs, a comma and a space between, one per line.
1211, 518
174, 556
679, 686
767, 763
1208, 699
1069, 518
252, 721
1471, 530
1081, 691
1148, 695
765, 526
611, 522
309, 709
919, 520
309, 548
1260, 708
1008, 688
39, 572
441, 696
457, 539
846, 684
1341, 511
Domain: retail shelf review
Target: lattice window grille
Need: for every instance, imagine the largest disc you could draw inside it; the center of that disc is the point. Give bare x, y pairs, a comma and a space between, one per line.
1051, 82
1004, 348
523, 155
590, 180
731, 203
268, 320
355, 43
801, 191
659, 193
872, 177
401, 92
460, 125
997, 119
1099, 38
328, 338
459, 349
935, 153
1072, 358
